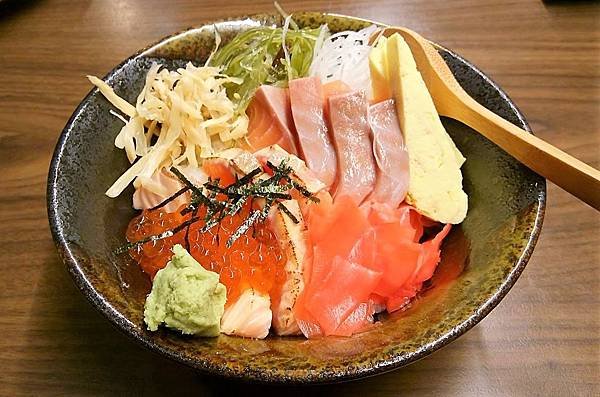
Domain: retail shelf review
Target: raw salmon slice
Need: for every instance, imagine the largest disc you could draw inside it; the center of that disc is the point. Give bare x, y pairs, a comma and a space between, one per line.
410, 223
294, 242
276, 155
338, 294
162, 185
219, 169
383, 249
270, 120
361, 318
249, 316
335, 229
350, 127
335, 287
431, 255
331, 88
390, 153
376, 260
315, 147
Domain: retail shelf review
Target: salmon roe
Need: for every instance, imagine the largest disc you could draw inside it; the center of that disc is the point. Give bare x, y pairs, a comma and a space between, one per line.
255, 260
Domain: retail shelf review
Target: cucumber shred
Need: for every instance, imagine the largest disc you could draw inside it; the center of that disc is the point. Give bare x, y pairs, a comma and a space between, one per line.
256, 56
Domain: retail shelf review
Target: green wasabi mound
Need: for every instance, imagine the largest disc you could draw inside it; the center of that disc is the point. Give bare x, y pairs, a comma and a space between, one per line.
186, 297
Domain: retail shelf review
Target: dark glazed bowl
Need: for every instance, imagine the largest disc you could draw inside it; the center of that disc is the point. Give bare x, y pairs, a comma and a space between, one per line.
481, 259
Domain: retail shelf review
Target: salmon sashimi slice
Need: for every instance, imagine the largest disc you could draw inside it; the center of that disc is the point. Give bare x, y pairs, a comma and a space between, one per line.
431, 255
308, 325
315, 147
331, 88
412, 223
380, 250
405, 262
334, 286
317, 207
346, 285
160, 186
390, 153
428, 261
344, 220
249, 316
164, 184
270, 120
361, 318
293, 240
219, 169
350, 127
276, 155
376, 261
393, 247
242, 161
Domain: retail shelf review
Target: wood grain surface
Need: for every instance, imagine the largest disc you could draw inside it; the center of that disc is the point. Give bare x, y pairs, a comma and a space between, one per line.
544, 337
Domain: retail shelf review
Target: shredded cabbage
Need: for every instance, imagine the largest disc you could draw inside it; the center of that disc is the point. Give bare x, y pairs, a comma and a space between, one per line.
345, 56
188, 112
255, 57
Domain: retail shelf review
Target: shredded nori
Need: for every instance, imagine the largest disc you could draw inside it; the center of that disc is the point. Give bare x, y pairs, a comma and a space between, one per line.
165, 234
197, 196
273, 189
286, 211
254, 216
173, 197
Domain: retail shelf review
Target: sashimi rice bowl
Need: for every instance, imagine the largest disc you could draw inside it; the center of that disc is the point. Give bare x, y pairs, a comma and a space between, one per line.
293, 184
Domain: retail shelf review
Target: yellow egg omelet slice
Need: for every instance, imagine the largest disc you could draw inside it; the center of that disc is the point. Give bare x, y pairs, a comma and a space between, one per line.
435, 185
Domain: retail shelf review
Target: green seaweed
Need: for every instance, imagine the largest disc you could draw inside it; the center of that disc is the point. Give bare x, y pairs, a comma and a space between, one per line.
256, 56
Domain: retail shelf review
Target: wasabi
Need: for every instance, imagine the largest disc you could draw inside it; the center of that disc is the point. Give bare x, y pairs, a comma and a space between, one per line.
186, 297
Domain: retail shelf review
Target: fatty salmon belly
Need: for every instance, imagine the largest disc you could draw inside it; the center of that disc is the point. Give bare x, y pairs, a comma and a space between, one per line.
293, 240
270, 119
249, 316
315, 147
350, 127
390, 154
163, 184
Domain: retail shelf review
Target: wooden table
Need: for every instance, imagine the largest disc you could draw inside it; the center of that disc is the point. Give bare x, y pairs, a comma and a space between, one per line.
543, 339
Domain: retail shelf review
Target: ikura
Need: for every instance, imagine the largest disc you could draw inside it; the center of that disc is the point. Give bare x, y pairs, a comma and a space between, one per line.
154, 255
255, 260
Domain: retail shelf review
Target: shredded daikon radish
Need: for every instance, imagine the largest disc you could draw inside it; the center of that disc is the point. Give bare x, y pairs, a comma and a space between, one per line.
216, 48
189, 112
286, 53
345, 56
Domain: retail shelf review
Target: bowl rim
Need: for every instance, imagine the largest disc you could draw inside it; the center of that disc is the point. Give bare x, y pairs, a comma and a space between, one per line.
130, 329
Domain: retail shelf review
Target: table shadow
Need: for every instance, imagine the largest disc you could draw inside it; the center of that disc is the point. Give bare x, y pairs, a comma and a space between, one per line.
11, 7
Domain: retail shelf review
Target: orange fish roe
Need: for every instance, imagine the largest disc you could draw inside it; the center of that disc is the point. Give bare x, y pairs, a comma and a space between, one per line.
154, 255
255, 260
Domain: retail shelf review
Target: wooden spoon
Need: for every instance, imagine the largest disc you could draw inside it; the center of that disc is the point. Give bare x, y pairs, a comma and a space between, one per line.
451, 100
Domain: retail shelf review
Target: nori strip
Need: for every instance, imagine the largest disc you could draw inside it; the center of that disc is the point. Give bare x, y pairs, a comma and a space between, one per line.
299, 187
286, 211
199, 195
254, 216
276, 187
165, 234
168, 200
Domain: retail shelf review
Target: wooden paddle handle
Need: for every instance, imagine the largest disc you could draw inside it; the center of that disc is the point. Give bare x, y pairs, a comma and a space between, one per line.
574, 176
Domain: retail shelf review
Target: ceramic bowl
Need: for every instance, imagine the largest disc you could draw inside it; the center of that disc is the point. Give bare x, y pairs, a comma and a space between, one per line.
481, 259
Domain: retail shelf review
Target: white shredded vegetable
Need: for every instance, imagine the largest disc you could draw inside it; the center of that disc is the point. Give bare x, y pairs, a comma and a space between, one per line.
187, 110
345, 56
286, 54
